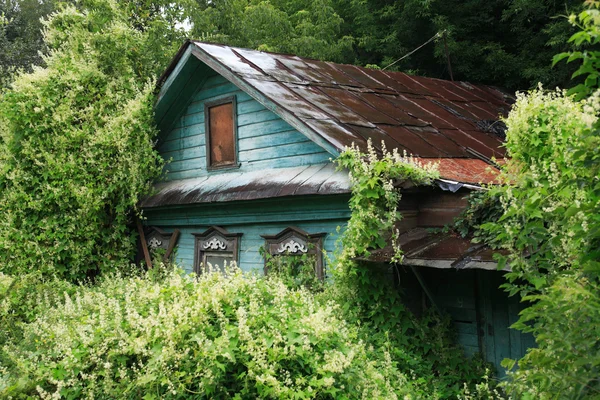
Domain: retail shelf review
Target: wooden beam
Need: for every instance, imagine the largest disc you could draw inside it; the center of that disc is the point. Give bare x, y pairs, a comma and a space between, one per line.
140, 229
172, 243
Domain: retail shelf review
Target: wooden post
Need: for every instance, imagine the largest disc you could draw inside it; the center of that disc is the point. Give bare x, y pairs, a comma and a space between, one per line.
172, 243
140, 229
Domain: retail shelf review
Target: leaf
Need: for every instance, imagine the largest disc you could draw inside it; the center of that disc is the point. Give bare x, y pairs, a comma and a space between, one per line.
559, 57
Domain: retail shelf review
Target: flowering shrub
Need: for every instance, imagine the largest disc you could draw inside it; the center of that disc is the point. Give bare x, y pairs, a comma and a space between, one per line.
421, 347
212, 337
550, 229
77, 146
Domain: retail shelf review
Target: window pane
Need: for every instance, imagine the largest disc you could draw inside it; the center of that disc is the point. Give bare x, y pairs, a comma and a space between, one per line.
222, 150
217, 261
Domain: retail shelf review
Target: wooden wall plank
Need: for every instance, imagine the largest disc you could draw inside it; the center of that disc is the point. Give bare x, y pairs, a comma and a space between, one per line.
264, 139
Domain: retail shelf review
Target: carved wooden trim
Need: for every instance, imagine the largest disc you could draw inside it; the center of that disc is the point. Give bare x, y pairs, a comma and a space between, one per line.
215, 240
295, 241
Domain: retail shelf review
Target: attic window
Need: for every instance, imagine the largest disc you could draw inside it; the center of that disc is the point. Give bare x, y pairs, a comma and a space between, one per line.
221, 133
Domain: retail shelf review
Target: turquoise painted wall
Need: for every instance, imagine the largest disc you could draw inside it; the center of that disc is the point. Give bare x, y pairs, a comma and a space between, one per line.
253, 219
264, 139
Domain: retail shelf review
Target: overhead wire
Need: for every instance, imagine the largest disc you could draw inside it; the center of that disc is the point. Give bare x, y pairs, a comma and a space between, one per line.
437, 35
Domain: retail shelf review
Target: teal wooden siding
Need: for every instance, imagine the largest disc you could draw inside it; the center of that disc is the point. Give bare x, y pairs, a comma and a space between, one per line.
264, 139
480, 311
253, 219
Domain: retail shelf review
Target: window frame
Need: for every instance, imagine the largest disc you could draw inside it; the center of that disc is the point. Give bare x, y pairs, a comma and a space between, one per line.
207, 106
293, 237
204, 246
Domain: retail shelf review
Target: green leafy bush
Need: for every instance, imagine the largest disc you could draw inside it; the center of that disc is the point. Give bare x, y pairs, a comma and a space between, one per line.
214, 337
425, 347
76, 146
549, 229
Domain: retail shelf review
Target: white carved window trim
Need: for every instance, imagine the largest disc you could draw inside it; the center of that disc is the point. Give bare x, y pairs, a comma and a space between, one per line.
295, 241
216, 242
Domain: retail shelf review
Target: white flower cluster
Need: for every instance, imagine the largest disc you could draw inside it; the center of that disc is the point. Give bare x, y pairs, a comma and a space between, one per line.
211, 335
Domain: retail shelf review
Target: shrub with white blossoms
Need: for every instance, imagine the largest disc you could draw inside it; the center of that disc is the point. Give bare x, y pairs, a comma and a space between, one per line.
550, 231
216, 337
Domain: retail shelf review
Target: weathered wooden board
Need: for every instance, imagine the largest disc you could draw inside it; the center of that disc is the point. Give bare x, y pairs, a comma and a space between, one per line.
264, 139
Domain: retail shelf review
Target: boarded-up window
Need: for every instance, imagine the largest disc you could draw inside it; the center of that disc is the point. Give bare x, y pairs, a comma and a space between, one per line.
221, 134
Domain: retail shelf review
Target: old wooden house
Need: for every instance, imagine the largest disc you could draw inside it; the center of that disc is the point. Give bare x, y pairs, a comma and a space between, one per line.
251, 135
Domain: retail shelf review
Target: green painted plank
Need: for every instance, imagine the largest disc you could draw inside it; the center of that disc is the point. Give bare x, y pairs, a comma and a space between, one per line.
183, 143
275, 139
281, 151
468, 340
257, 117
465, 327
263, 128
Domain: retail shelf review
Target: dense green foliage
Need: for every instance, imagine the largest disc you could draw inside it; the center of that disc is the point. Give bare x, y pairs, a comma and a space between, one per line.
424, 347
76, 145
214, 337
507, 43
549, 229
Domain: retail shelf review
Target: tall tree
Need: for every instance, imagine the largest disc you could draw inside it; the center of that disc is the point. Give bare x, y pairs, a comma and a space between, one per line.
21, 42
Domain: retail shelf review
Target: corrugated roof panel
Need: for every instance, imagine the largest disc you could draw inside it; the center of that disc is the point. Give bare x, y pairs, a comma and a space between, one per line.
270, 65
358, 106
414, 143
227, 57
282, 95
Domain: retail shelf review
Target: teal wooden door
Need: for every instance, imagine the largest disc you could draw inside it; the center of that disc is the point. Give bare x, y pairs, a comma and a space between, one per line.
497, 313
480, 311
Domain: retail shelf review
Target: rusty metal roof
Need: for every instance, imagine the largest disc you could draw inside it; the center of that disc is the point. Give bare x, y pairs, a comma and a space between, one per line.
452, 123
319, 179
422, 247
427, 117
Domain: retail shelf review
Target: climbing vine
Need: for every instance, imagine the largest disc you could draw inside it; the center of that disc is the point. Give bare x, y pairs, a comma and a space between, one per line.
375, 196
424, 346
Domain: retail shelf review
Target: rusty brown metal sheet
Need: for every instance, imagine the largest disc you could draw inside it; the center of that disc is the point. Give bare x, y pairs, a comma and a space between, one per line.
285, 97
478, 141
414, 143
362, 77
454, 121
270, 65
358, 106
467, 170
384, 105
301, 69
336, 134
440, 141
336, 76
227, 57
330, 106
378, 136
405, 80
409, 106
